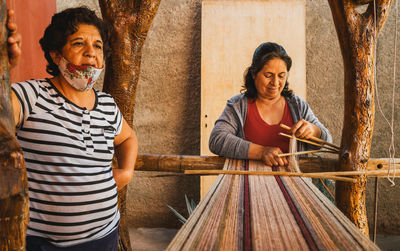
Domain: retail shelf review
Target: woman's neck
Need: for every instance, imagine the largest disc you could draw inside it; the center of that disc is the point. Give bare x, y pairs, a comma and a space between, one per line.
85, 99
271, 110
268, 101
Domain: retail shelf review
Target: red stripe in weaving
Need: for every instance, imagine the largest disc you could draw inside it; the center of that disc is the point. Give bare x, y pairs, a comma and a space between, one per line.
247, 228
306, 233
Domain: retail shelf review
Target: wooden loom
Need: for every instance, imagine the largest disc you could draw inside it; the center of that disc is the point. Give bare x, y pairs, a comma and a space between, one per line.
247, 212
251, 212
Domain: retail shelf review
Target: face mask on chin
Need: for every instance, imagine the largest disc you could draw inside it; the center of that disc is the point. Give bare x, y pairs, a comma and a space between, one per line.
80, 77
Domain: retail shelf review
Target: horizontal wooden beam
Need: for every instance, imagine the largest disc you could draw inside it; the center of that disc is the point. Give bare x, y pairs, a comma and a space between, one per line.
381, 163
180, 163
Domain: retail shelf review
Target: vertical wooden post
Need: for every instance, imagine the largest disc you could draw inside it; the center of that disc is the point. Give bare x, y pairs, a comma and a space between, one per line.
130, 22
357, 33
14, 204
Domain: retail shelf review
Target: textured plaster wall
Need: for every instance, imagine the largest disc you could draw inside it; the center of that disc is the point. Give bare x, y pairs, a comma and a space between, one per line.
167, 110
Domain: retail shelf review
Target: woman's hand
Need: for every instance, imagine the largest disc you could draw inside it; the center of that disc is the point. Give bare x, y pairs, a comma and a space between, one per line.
270, 157
14, 41
122, 177
305, 130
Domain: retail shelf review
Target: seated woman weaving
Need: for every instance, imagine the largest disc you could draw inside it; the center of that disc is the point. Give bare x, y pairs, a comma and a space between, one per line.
249, 126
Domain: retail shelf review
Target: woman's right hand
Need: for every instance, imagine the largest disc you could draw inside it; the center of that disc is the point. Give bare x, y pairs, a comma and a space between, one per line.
270, 156
14, 41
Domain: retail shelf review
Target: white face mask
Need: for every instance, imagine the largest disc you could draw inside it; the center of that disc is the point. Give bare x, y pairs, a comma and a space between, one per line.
80, 77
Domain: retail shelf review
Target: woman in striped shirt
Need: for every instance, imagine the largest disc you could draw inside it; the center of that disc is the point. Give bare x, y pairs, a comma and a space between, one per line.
69, 132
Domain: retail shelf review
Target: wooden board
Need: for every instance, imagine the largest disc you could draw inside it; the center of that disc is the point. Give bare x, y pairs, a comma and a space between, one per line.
231, 30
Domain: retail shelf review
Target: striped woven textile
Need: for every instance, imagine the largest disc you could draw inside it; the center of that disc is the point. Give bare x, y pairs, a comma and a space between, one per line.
251, 212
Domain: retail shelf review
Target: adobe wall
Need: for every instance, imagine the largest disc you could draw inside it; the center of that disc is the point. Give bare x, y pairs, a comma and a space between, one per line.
167, 110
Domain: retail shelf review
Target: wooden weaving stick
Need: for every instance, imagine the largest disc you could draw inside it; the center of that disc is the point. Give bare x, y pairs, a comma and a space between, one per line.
373, 173
269, 173
313, 138
310, 142
305, 152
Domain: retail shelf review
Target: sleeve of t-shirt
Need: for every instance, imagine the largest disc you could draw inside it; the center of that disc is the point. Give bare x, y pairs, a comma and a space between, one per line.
118, 119
27, 94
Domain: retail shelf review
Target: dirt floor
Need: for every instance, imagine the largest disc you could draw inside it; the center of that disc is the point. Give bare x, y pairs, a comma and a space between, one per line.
388, 242
151, 239
155, 239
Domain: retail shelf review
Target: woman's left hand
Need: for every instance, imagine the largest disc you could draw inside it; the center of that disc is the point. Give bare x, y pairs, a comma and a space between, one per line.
305, 130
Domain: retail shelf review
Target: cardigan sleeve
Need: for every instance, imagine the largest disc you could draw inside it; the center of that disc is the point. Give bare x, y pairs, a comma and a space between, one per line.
224, 140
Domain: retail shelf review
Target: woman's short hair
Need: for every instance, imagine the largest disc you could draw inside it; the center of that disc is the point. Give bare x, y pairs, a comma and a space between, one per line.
264, 53
64, 24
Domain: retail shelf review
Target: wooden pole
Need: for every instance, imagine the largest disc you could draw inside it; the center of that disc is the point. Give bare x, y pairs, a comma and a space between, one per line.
321, 175
357, 35
14, 206
270, 173
180, 163
130, 21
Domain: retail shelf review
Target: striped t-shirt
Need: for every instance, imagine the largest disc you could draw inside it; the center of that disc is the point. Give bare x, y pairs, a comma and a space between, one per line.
68, 152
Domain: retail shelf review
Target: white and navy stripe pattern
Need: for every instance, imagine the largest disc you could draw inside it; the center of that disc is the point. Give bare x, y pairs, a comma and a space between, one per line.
68, 152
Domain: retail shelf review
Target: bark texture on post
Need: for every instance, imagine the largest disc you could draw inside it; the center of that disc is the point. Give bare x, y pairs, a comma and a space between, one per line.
356, 33
14, 204
130, 21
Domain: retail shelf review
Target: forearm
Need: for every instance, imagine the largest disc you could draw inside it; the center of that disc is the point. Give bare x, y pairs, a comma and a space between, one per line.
255, 151
229, 146
126, 154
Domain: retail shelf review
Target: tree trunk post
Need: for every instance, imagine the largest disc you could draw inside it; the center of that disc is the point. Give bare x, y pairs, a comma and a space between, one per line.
14, 206
129, 21
357, 33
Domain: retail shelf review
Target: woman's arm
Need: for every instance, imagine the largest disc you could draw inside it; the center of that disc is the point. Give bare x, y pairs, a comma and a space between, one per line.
14, 41
16, 107
305, 112
126, 149
225, 142
225, 139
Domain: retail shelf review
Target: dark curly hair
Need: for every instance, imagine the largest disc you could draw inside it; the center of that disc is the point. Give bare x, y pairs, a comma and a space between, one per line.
64, 24
264, 53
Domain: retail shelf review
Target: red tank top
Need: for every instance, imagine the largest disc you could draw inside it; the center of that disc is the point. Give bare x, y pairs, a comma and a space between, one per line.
257, 131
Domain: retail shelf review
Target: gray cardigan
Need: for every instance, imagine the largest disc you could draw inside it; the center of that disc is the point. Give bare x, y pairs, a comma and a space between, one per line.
227, 136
